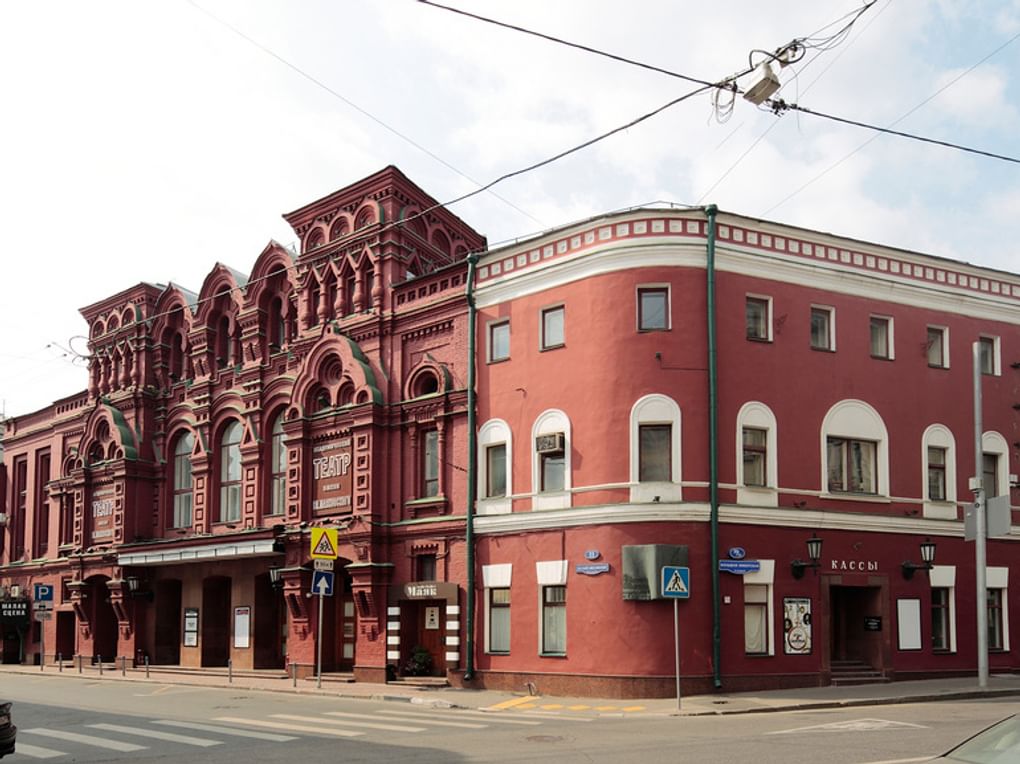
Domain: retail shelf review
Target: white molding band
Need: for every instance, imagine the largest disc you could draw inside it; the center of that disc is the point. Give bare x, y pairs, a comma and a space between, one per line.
551, 573
261, 548
497, 576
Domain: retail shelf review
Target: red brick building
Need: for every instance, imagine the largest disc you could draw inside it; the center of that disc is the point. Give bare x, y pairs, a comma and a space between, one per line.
651, 387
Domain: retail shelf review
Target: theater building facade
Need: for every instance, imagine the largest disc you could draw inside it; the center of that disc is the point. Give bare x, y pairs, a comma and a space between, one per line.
511, 443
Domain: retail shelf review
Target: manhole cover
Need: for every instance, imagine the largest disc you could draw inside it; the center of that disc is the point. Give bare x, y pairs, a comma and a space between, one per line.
544, 739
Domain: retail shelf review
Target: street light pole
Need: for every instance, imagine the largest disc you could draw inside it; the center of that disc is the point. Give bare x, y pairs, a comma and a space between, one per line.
980, 501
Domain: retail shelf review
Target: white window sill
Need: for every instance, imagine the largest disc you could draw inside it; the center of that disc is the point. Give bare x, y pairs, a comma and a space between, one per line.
758, 496
501, 505
871, 498
941, 510
659, 492
551, 500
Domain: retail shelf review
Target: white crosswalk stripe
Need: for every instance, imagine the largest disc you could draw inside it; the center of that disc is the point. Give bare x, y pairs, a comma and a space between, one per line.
431, 720
170, 737
356, 721
232, 731
503, 717
75, 737
289, 727
37, 751
492, 718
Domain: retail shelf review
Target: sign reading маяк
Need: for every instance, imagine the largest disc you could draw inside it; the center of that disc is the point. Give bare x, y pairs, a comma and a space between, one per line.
331, 476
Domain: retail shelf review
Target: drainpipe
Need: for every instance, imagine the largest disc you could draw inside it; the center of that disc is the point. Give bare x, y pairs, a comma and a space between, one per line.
469, 537
713, 446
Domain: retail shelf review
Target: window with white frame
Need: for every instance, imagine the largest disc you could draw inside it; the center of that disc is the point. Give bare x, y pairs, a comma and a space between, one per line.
995, 464
938, 347
278, 468
550, 462
653, 308
997, 581
757, 313
496, 582
855, 450
988, 355
938, 451
552, 592
230, 472
757, 463
182, 480
553, 335
759, 624
823, 328
655, 449
881, 337
943, 607
499, 341
495, 475
429, 464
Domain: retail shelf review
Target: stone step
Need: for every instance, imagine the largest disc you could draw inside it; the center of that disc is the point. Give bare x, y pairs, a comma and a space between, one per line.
420, 682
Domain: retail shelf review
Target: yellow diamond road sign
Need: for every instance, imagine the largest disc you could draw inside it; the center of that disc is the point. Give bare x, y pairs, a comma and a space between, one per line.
324, 543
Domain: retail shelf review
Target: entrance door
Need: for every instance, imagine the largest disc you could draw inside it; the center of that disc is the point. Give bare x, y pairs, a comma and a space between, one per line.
215, 621
167, 644
65, 634
856, 634
269, 613
104, 621
421, 626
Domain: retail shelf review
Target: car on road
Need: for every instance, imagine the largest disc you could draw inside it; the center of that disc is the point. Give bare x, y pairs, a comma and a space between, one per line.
998, 744
7, 729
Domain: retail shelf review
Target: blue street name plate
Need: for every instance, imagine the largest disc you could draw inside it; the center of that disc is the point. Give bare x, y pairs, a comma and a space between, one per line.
592, 570
740, 567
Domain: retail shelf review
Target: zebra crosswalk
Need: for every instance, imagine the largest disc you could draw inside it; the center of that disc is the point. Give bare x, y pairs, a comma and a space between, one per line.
126, 736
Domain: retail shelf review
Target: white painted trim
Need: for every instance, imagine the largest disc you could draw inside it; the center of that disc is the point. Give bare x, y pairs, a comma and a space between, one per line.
497, 576
262, 548
944, 577
656, 408
758, 415
939, 436
993, 443
551, 572
395, 610
393, 639
452, 657
392, 655
851, 418
492, 433
551, 421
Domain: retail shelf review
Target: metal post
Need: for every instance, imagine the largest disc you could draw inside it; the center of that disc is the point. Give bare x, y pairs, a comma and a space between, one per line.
42, 645
123, 665
318, 646
293, 674
980, 502
230, 670
676, 641
146, 666
79, 662
100, 665
60, 663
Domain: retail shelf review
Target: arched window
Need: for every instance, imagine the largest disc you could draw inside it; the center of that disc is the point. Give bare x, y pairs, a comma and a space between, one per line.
182, 480
224, 347
655, 449
855, 450
550, 460
938, 457
495, 477
230, 472
277, 324
995, 465
757, 457
278, 468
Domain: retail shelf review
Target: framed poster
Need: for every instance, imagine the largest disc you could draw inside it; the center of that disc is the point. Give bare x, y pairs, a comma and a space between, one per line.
242, 624
190, 626
797, 625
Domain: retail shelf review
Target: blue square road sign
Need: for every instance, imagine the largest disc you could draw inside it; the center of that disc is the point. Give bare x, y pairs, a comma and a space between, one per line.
322, 583
676, 582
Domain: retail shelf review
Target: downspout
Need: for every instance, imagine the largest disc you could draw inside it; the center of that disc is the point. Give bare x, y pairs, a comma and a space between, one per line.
713, 446
469, 533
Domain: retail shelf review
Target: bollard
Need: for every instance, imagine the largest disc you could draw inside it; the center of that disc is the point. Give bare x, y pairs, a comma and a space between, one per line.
79, 663
293, 674
146, 666
100, 665
60, 663
230, 670
123, 665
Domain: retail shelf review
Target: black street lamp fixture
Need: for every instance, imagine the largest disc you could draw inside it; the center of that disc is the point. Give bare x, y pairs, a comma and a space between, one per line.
134, 588
927, 559
276, 577
814, 552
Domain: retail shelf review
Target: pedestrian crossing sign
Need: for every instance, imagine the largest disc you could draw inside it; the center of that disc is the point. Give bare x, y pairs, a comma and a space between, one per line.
324, 543
676, 582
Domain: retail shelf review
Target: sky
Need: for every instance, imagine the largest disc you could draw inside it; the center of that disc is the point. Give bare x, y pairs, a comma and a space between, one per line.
146, 141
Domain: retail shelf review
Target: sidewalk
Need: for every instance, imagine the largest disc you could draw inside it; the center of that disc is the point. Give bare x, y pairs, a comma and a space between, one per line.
999, 685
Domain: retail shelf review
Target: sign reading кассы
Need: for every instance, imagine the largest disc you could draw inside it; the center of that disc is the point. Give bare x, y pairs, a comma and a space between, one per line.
331, 476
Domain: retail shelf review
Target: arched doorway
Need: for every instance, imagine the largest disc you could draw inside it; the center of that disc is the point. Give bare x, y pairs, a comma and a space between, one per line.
215, 621
102, 619
167, 643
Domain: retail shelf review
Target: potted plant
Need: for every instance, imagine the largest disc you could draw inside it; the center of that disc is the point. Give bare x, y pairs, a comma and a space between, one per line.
419, 663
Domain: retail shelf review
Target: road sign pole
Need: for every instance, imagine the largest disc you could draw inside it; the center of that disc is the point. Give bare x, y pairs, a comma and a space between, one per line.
676, 643
42, 644
318, 641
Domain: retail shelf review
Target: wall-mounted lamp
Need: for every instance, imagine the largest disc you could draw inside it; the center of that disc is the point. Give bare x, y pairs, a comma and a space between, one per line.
276, 577
135, 591
814, 553
927, 559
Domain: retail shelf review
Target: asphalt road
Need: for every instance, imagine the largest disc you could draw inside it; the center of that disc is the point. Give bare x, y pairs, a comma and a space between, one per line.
62, 719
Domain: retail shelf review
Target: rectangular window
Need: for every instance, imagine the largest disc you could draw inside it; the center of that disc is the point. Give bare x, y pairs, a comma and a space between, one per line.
654, 452
554, 620
936, 473
42, 505
986, 349
990, 475
430, 464
757, 315
495, 471
553, 468
881, 337
552, 328
425, 565
756, 621
755, 454
851, 465
940, 618
18, 522
499, 341
937, 355
499, 621
653, 309
182, 490
821, 329
995, 630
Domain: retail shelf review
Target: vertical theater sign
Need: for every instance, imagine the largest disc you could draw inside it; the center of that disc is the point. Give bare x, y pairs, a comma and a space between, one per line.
331, 476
